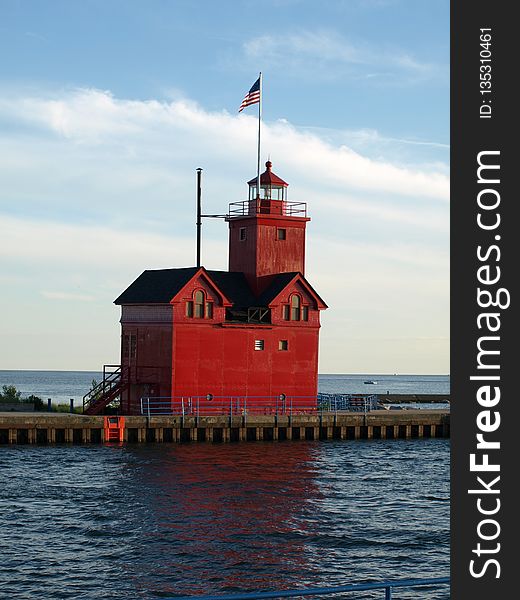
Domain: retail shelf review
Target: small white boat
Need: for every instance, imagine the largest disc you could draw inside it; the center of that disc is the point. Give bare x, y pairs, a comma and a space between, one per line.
369, 381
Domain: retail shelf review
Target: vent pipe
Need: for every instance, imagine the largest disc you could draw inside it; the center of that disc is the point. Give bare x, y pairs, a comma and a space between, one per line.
199, 215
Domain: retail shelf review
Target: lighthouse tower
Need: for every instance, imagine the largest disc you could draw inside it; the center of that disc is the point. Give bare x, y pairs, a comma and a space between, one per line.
248, 335
267, 233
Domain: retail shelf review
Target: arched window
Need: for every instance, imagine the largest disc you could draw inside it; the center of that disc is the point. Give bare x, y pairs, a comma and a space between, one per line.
200, 307
295, 310
199, 304
295, 307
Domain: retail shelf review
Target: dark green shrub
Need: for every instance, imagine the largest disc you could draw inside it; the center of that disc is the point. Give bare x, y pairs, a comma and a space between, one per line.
32, 399
10, 394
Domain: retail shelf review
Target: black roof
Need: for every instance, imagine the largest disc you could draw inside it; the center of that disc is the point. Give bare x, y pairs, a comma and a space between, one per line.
160, 286
235, 287
156, 287
274, 288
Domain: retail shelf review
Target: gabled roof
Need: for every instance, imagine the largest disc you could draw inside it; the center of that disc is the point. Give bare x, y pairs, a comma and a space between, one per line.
160, 286
281, 282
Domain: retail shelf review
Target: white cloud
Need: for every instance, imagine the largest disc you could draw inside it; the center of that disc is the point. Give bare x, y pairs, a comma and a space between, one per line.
371, 137
323, 46
146, 129
119, 165
327, 55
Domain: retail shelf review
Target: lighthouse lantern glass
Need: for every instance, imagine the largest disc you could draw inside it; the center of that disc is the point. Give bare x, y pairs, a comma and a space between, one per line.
268, 192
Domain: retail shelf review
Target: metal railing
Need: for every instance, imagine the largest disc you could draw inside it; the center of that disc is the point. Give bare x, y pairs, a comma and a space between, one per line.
387, 586
267, 206
113, 375
209, 405
347, 402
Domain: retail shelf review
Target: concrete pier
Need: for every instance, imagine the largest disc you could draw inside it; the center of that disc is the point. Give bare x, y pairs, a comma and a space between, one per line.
49, 428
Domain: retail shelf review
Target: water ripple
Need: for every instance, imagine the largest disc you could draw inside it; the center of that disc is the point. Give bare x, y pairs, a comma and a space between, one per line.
160, 520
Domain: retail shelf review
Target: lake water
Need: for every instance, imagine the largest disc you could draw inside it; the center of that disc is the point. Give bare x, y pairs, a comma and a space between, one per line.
63, 385
154, 521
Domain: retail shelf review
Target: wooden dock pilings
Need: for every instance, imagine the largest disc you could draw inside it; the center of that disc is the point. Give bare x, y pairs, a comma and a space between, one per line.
48, 428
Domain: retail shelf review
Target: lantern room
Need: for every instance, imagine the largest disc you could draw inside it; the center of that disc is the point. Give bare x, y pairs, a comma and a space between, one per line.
272, 187
272, 196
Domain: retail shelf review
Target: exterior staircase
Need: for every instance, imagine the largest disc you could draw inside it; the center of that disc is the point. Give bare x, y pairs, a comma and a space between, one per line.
114, 382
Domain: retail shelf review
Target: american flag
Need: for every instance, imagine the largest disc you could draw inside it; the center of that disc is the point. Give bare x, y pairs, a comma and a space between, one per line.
252, 97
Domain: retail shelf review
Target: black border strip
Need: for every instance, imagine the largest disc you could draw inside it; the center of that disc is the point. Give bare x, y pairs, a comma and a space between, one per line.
472, 132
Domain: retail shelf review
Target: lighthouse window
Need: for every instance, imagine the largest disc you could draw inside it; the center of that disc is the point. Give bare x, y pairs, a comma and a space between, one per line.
242, 234
295, 307
283, 345
259, 344
305, 313
281, 234
129, 346
199, 305
286, 312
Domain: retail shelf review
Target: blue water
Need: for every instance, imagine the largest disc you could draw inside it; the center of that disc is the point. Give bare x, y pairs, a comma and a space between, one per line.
152, 521
60, 386
392, 384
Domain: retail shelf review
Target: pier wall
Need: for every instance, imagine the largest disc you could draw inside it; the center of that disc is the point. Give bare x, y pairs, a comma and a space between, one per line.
412, 398
49, 428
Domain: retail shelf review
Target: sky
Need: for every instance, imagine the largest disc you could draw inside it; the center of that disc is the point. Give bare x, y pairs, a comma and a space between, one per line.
107, 108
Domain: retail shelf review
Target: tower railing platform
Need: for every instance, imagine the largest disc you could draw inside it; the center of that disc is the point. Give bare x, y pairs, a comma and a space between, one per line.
267, 206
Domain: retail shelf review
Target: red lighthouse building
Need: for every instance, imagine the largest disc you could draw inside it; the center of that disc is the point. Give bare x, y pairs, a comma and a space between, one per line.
248, 333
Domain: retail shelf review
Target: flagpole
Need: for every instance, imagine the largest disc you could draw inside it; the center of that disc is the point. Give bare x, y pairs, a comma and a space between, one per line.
259, 123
